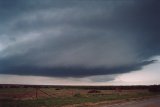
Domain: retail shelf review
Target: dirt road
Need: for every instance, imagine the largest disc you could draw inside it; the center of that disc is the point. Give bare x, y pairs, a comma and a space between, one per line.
152, 102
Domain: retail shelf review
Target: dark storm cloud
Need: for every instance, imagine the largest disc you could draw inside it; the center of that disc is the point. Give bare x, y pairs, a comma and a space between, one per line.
77, 38
11, 68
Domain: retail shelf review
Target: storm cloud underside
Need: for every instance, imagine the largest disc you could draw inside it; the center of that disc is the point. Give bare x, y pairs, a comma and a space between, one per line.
78, 38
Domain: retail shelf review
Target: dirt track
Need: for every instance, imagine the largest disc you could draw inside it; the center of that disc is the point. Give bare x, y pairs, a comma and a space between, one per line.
152, 102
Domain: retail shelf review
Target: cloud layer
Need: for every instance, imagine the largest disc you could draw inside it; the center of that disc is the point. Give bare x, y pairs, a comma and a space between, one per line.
77, 38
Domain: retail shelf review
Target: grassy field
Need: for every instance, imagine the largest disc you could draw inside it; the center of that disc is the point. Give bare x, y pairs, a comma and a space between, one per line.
53, 97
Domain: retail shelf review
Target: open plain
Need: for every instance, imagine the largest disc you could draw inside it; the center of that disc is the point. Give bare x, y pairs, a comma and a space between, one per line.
72, 96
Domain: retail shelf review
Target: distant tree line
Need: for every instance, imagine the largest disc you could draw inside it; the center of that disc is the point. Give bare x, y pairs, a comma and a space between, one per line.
154, 88
151, 88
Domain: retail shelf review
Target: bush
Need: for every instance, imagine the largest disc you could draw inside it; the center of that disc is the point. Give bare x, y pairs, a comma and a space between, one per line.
93, 91
77, 95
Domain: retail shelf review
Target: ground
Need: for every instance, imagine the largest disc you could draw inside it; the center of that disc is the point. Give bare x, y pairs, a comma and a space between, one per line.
68, 97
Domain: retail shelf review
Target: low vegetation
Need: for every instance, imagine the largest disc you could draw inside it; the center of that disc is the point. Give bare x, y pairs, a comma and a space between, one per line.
58, 97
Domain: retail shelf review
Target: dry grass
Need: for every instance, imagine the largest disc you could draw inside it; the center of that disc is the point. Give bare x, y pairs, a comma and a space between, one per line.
52, 97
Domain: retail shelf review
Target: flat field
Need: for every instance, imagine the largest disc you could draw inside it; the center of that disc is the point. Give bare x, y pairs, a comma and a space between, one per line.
68, 97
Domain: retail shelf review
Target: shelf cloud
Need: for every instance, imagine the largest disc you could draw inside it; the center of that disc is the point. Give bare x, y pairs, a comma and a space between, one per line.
78, 38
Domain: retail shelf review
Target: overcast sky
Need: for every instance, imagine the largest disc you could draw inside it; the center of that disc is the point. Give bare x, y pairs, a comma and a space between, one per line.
99, 42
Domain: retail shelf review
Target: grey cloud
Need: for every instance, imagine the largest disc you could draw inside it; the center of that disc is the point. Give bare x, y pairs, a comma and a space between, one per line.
78, 38
21, 69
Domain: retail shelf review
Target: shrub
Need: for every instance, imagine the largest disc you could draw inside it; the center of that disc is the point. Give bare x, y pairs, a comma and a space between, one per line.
77, 95
93, 91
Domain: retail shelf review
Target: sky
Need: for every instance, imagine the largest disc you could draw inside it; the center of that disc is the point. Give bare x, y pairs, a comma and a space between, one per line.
73, 42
